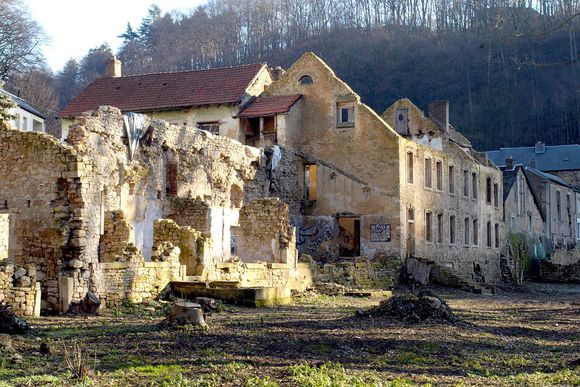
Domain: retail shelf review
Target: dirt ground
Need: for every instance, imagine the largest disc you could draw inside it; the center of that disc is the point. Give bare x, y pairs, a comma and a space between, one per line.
526, 337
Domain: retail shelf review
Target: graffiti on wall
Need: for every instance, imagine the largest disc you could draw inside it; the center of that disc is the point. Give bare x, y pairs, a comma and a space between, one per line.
325, 234
304, 233
313, 236
380, 232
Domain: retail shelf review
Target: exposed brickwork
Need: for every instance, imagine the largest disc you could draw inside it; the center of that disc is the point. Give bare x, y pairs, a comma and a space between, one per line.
115, 238
265, 233
137, 280
193, 213
19, 289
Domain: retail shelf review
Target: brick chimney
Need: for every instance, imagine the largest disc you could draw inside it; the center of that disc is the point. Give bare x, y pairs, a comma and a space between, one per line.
439, 112
509, 162
113, 68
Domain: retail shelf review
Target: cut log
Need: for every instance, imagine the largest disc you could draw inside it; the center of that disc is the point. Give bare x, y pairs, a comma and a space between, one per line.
186, 313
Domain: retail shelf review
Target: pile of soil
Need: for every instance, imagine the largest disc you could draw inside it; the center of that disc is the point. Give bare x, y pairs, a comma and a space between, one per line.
412, 308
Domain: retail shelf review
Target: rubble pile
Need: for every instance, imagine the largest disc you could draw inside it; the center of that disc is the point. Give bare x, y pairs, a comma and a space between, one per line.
412, 308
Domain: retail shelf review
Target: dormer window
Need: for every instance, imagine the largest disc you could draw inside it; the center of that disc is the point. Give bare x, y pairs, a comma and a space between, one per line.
345, 114
306, 80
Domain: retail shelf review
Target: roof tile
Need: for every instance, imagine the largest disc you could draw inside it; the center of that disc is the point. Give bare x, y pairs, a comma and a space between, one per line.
267, 106
164, 91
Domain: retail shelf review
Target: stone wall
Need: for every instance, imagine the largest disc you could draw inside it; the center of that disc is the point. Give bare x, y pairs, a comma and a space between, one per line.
42, 191
193, 245
268, 275
556, 272
193, 213
4, 235
360, 273
68, 202
137, 280
115, 237
264, 232
19, 289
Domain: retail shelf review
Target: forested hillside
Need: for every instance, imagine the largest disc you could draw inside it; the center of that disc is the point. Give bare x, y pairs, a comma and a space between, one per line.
510, 69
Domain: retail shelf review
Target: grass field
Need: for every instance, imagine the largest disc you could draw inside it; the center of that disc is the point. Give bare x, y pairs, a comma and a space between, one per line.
526, 338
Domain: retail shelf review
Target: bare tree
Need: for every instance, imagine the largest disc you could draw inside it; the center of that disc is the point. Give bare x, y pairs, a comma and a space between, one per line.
20, 38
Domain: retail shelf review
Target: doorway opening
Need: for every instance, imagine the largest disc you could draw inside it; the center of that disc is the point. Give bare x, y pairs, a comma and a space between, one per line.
349, 243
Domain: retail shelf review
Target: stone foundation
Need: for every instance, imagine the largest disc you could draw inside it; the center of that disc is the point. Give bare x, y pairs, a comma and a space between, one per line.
361, 273
19, 289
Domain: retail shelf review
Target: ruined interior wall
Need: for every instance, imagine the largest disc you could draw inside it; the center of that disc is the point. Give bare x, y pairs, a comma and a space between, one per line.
19, 289
4, 235
41, 189
115, 238
137, 280
173, 165
193, 245
265, 233
193, 213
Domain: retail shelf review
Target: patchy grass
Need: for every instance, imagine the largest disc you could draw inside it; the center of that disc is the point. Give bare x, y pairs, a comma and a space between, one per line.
513, 339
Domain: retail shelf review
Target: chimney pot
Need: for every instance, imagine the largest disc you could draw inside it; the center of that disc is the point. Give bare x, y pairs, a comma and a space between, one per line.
113, 68
439, 112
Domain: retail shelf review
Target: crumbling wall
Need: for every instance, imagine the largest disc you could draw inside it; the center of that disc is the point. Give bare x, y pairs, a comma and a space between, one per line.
193, 213
115, 237
265, 233
41, 190
381, 272
19, 289
137, 280
4, 235
194, 246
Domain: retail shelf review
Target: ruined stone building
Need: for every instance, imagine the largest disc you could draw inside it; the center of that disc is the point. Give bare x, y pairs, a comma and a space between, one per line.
128, 203
122, 216
207, 99
359, 188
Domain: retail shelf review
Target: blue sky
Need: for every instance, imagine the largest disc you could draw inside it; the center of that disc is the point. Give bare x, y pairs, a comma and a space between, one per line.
73, 27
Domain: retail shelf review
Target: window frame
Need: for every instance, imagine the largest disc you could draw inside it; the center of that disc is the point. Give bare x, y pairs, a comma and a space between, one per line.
349, 107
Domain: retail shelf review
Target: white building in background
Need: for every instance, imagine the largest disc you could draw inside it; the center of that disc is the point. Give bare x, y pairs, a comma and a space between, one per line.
27, 117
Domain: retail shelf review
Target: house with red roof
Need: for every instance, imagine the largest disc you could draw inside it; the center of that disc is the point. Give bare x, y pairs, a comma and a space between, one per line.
209, 99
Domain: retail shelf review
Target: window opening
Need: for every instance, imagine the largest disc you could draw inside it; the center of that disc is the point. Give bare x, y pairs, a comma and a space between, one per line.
428, 182
310, 191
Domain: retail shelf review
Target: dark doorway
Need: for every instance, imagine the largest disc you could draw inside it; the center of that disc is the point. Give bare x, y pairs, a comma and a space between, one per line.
349, 244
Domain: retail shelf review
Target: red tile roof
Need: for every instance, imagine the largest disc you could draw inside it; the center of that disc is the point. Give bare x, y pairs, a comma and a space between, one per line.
165, 91
267, 106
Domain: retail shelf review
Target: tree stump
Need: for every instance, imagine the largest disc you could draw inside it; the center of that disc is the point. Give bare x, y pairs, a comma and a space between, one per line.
184, 312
